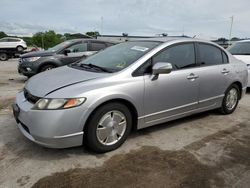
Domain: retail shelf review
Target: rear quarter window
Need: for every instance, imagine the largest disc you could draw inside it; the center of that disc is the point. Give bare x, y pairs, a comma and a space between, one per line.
225, 57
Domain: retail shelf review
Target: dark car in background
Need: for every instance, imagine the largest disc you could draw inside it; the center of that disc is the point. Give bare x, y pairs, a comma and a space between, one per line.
62, 54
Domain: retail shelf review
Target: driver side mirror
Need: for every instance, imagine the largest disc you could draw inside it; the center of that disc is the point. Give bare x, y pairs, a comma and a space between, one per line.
162, 68
66, 51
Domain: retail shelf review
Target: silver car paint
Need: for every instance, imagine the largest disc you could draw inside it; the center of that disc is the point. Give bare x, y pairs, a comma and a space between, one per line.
169, 97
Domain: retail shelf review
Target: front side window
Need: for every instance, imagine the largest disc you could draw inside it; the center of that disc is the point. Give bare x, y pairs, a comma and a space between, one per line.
59, 47
81, 47
240, 48
209, 55
13, 40
180, 56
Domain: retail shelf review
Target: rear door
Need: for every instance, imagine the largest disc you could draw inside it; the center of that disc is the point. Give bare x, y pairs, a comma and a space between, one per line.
174, 94
214, 73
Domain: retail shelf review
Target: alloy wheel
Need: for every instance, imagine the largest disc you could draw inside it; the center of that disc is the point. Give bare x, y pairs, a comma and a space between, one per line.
111, 127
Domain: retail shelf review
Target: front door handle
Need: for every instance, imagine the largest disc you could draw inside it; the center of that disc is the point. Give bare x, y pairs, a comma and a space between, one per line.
192, 77
225, 71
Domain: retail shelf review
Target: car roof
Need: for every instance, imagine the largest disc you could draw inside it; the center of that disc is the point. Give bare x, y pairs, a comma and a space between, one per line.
179, 39
96, 40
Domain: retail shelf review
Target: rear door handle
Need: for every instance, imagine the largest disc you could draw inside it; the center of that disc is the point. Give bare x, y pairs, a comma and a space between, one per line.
192, 77
225, 71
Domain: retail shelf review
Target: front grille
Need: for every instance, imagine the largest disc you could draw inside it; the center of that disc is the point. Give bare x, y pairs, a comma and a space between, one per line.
31, 98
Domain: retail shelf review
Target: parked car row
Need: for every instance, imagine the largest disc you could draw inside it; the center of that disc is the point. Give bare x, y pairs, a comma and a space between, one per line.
62, 54
98, 100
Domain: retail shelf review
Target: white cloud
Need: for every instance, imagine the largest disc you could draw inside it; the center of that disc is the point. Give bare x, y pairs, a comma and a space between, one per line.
136, 17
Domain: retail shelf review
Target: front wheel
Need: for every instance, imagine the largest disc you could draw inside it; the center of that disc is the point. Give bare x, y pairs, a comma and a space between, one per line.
47, 67
108, 127
230, 100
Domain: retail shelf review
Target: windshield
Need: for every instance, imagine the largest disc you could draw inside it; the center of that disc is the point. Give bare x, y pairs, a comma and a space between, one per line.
240, 48
59, 46
120, 56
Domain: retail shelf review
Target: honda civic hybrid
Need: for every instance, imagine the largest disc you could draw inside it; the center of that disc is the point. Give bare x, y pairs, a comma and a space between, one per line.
98, 101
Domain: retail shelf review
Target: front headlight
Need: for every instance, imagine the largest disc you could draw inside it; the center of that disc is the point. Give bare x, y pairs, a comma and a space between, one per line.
54, 104
32, 59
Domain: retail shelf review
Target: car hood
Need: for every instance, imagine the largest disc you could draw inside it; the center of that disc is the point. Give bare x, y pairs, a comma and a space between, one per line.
244, 58
47, 82
37, 54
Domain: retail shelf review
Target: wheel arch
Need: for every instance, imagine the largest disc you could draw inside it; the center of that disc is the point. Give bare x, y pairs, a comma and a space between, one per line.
239, 84
47, 63
127, 103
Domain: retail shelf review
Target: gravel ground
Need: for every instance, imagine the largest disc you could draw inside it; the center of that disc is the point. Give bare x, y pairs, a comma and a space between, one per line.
204, 150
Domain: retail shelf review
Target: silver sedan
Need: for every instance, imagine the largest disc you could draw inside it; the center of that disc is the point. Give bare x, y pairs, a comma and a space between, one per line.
137, 84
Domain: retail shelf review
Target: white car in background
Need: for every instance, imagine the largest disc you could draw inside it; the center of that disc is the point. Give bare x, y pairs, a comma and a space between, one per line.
13, 43
241, 50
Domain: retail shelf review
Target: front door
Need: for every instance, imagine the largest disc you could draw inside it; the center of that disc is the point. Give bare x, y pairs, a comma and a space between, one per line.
175, 94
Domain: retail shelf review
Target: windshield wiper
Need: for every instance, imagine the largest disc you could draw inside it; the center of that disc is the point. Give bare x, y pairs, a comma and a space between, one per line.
96, 67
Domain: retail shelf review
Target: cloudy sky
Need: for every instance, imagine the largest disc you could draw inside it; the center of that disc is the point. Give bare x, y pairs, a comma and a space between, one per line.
207, 18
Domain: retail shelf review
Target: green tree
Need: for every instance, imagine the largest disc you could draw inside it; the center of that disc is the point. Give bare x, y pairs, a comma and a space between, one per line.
46, 39
93, 33
28, 41
2, 34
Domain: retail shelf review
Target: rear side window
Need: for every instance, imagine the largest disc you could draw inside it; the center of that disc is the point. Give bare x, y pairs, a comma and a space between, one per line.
209, 55
96, 46
180, 56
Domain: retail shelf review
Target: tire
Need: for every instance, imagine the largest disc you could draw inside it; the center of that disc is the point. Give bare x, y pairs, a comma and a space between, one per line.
47, 67
19, 48
3, 56
103, 133
232, 94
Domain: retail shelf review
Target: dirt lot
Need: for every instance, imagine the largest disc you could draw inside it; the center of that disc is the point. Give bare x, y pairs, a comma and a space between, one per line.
205, 150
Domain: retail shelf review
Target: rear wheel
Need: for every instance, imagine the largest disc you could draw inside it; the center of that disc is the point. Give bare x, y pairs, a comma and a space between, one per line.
3, 57
19, 48
47, 67
230, 100
108, 127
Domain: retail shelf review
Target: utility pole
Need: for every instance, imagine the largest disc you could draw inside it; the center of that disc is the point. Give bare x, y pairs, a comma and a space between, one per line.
230, 32
42, 42
101, 25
